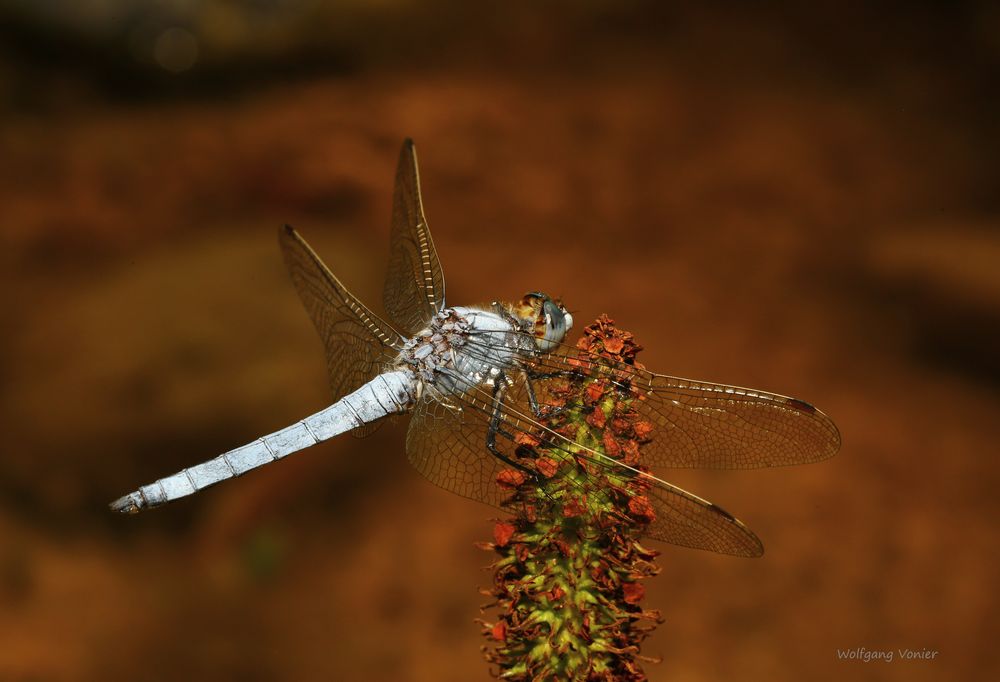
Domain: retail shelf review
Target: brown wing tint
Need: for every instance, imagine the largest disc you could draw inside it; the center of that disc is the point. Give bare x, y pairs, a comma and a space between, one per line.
357, 342
447, 445
706, 425
414, 284
689, 521
698, 424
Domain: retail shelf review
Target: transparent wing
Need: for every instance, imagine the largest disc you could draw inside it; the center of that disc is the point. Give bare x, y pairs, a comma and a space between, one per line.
689, 521
713, 426
357, 342
414, 284
447, 444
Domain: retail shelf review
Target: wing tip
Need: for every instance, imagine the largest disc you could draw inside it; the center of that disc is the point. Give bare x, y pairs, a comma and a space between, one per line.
838, 440
757, 549
752, 547
802, 406
834, 440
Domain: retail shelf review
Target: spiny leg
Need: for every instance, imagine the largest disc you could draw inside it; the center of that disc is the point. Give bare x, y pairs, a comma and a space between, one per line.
556, 374
529, 377
500, 381
532, 398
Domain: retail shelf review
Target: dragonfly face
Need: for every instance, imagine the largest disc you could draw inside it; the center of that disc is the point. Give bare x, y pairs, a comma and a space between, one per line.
549, 319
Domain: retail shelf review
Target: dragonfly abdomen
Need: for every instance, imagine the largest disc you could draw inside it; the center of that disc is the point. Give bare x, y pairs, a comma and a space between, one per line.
386, 394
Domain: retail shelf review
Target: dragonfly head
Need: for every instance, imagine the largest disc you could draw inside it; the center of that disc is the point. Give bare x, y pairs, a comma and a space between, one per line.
548, 318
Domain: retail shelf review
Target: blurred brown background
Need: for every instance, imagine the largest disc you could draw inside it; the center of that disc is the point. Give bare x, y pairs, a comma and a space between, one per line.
798, 200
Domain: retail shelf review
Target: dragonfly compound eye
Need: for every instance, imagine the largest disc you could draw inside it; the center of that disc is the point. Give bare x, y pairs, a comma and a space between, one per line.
557, 322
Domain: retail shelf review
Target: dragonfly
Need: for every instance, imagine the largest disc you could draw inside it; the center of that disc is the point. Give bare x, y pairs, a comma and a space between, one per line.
470, 378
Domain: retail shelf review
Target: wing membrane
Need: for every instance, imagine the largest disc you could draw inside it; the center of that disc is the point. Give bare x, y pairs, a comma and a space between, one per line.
357, 342
446, 444
715, 426
689, 521
705, 425
414, 284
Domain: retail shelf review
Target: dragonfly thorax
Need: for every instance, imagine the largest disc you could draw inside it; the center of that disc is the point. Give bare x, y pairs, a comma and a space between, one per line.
435, 347
464, 348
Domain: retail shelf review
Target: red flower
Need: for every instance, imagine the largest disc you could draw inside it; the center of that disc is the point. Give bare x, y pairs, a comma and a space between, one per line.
611, 446
633, 592
522, 438
573, 508
614, 345
502, 533
593, 392
546, 466
499, 632
568, 430
643, 429
597, 418
642, 509
630, 452
510, 478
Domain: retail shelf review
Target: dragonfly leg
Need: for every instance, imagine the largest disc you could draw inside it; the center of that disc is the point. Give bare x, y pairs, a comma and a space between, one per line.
529, 377
495, 429
501, 310
549, 375
532, 398
515, 323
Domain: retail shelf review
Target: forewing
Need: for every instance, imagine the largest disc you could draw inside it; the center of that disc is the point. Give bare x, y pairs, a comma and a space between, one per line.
706, 425
357, 342
414, 284
699, 424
